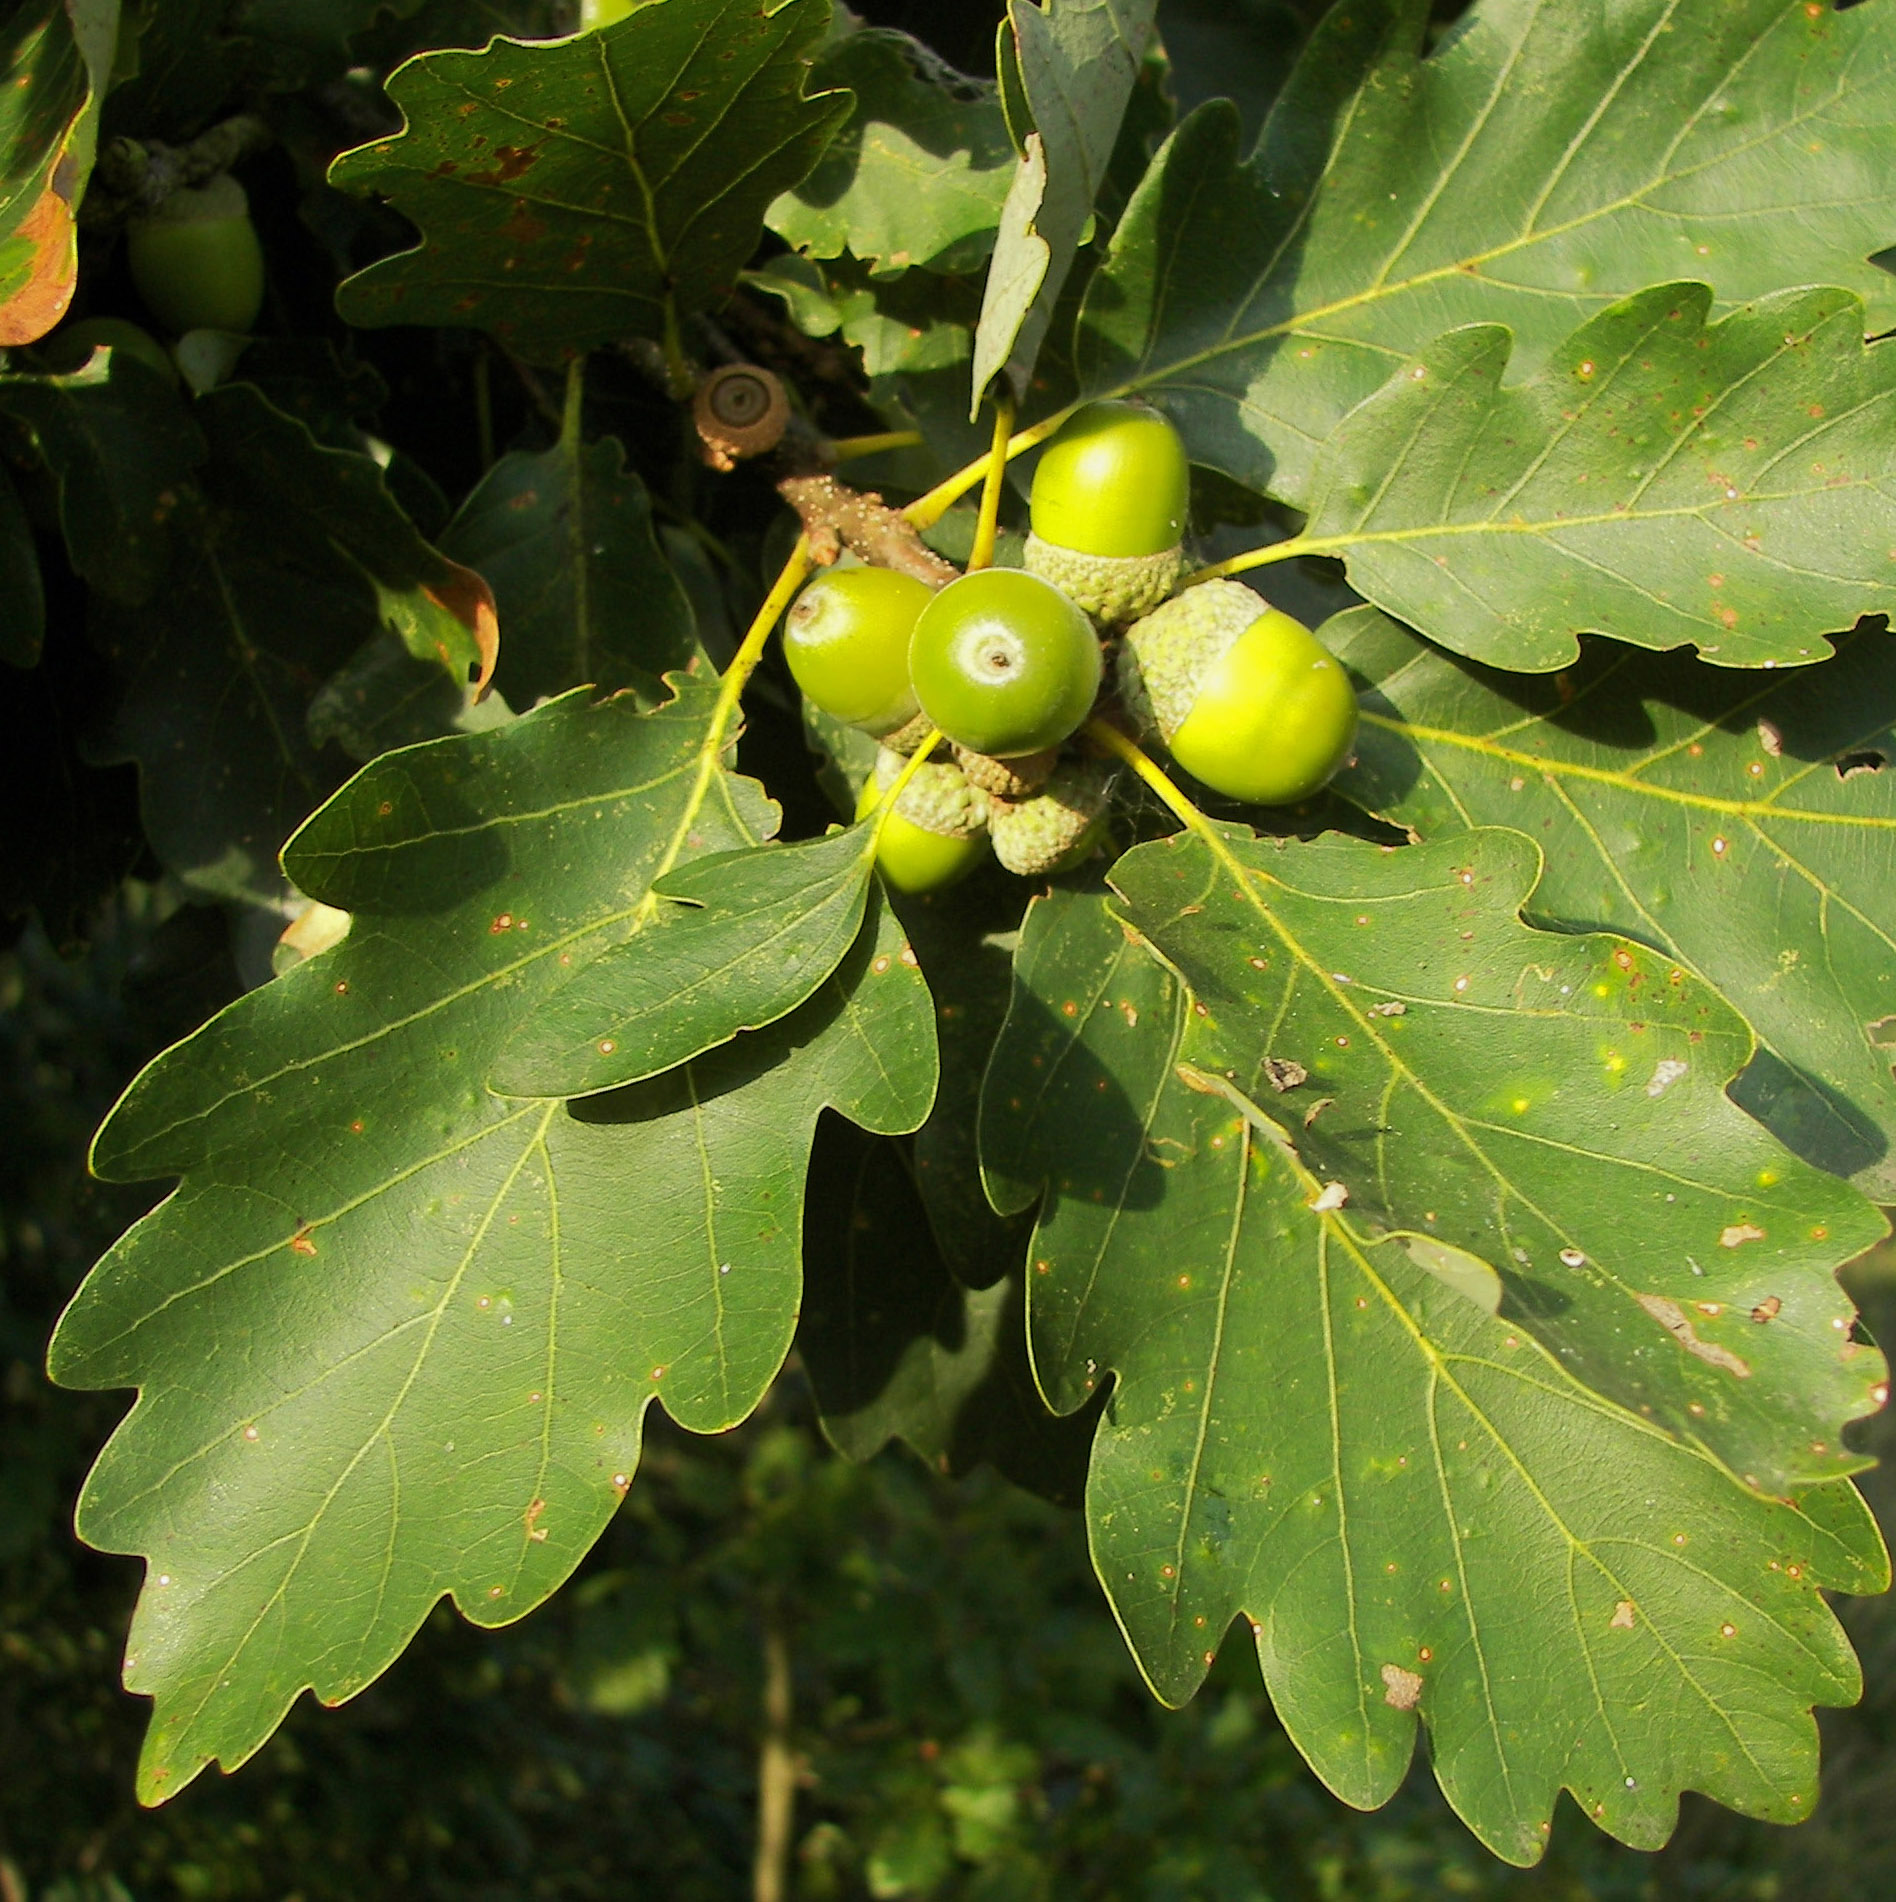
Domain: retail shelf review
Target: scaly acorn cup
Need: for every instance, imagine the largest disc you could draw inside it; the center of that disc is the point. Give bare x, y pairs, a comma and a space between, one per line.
1004, 663
195, 260
1058, 827
1006, 778
937, 833
1246, 699
1108, 509
846, 639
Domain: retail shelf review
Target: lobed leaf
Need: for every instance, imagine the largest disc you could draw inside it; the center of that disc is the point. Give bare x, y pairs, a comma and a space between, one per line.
1552, 1105
119, 444
1743, 826
593, 188
1661, 480
1421, 1512
750, 935
919, 170
1542, 163
395, 1336
564, 538
286, 558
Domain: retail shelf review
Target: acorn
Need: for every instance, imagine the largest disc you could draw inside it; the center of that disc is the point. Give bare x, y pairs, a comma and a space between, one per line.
1058, 827
846, 639
1108, 510
938, 830
195, 259
1246, 698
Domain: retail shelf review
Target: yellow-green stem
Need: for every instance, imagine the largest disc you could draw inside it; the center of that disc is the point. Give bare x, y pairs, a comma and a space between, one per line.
854, 448
751, 649
981, 555
886, 803
1103, 733
926, 510
1272, 552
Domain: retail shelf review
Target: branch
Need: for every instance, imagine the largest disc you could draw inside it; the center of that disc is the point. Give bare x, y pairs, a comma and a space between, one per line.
130, 176
836, 517
776, 1769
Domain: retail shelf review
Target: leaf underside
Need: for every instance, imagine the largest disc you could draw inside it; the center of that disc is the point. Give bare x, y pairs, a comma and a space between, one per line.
1541, 163
1420, 1510
1662, 481
453, 1308
1744, 825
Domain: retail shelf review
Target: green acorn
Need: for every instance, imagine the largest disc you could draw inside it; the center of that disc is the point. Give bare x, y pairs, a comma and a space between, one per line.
1247, 699
1108, 510
1058, 827
938, 830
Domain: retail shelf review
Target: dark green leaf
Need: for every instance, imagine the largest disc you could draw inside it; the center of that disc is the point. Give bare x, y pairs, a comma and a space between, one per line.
1744, 827
1078, 61
1552, 1105
22, 596
181, 64
290, 558
919, 170
564, 538
749, 936
897, 1349
1542, 163
404, 1333
121, 447
593, 188
1666, 482
1421, 1512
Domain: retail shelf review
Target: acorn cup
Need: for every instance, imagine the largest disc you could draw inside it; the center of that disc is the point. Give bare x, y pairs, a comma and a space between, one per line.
1245, 698
1058, 827
1108, 510
1006, 778
937, 833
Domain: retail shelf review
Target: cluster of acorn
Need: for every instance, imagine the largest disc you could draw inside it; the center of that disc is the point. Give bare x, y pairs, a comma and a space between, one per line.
1007, 665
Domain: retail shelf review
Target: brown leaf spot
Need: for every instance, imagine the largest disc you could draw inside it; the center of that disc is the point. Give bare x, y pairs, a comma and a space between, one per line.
1767, 1310
1284, 1073
1738, 1234
1401, 1689
1671, 1317
1622, 1618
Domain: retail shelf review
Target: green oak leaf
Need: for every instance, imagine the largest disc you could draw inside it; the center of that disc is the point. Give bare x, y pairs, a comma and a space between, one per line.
1660, 480
1421, 1512
55, 63
593, 188
288, 558
910, 324
1549, 1103
564, 538
1744, 826
749, 935
917, 174
394, 1335
1541, 163
120, 447
1077, 61
22, 594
